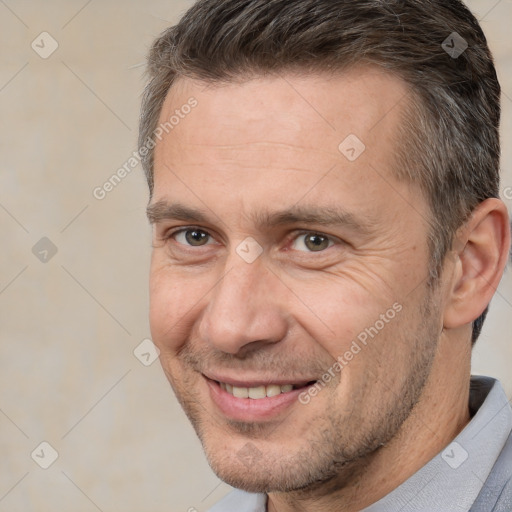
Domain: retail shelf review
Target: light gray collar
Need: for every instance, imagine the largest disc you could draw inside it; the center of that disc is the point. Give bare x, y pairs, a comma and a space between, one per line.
453, 479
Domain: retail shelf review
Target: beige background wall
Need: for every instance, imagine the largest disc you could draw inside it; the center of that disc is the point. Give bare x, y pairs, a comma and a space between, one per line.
69, 325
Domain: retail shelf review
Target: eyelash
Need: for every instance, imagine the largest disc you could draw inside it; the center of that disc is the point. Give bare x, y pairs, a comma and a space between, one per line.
169, 235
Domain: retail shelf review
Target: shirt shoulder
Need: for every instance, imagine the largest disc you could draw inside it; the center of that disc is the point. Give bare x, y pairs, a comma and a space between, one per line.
496, 494
240, 501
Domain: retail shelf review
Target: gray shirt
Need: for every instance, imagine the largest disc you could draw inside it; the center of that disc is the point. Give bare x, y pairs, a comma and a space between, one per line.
453, 479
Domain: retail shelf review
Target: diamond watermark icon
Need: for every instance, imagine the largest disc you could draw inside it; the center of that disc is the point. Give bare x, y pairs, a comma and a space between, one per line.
44, 45
454, 45
44, 455
44, 250
454, 455
146, 352
249, 250
352, 147
249, 454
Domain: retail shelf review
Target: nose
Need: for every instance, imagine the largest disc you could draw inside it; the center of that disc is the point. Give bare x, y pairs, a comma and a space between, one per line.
244, 309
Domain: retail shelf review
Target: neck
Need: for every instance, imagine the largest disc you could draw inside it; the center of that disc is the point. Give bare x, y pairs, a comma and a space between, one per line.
436, 420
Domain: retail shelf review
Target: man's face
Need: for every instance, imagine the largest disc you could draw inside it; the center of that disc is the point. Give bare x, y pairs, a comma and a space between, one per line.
278, 253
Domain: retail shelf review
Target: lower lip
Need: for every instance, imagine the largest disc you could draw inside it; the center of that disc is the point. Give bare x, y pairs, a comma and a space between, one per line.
249, 409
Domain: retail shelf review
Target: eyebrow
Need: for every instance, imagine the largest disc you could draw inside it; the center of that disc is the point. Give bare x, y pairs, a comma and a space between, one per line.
322, 215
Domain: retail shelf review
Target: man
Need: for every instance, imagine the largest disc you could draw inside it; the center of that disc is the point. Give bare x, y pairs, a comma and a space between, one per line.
327, 238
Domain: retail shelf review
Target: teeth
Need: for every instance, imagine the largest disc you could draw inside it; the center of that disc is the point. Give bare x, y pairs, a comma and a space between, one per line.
273, 390
257, 392
241, 392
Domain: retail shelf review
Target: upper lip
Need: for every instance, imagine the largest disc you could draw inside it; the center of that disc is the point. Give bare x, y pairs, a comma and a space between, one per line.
259, 381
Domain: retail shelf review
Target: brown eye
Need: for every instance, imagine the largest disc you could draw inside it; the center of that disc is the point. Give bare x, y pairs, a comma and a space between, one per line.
316, 242
312, 242
193, 237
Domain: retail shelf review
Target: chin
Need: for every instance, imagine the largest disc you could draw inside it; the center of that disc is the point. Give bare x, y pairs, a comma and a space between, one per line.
253, 479
251, 468
241, 464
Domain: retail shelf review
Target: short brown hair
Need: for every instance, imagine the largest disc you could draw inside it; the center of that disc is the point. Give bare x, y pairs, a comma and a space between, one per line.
450, 131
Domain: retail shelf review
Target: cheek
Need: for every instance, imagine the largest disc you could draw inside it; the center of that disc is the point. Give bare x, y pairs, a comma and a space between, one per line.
340, 308
177, 299
171, 300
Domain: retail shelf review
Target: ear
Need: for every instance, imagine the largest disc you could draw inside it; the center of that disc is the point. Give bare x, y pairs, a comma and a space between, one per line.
481, 249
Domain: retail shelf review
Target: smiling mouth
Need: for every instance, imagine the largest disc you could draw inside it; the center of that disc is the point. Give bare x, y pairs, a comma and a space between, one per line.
259, 392
255, 400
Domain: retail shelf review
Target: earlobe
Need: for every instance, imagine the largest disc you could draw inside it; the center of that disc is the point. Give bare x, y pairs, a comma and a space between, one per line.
482, 249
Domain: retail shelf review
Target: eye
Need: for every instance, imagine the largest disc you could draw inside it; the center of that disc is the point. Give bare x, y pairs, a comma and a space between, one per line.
191, 236
312, 242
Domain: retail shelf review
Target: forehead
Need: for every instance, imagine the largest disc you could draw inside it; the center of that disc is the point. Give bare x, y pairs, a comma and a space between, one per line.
359, 98
259, 137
